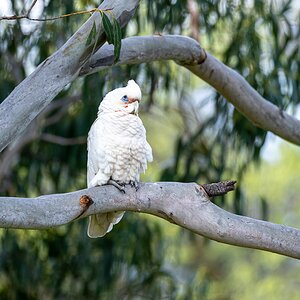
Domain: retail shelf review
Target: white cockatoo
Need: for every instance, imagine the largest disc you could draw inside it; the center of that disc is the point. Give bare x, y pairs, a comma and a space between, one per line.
117, 149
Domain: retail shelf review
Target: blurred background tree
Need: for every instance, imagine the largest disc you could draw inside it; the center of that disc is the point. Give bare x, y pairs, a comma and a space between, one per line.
196, 136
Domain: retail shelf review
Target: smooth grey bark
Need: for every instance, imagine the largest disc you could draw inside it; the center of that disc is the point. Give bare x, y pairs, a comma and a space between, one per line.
188, 53
184, 204
145, 49
34, 93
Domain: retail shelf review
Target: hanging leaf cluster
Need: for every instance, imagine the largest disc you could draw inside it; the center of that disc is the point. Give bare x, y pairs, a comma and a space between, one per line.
113, 34
112, 31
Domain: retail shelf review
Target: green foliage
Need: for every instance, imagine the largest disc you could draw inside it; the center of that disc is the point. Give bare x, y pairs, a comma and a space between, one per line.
108, 28
65, 263
92, 36
140, 257
117, 39
113, 34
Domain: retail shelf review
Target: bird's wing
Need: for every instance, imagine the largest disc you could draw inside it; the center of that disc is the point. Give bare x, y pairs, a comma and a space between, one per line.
98, 173
149, 152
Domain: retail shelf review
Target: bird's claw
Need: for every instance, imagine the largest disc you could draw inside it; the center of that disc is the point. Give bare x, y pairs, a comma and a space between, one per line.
134, 184
118, 185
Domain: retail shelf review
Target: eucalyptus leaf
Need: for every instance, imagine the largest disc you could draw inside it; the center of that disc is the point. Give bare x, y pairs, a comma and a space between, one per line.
117, 41
108, 28
92, 35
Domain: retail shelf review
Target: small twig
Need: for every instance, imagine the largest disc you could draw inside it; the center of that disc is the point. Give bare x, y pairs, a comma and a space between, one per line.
31, 7
55, 139
26, 16
219, 188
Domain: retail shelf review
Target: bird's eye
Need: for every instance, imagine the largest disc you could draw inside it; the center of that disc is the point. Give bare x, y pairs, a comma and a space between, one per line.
124, 98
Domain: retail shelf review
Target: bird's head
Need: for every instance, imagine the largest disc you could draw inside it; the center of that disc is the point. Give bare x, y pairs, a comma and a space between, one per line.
125, 99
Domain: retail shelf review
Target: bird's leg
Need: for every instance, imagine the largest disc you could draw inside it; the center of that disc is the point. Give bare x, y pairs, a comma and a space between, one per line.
119, 186
135, 184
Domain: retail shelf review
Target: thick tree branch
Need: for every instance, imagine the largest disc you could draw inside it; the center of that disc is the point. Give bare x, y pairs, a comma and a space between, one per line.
138, 49
34, 93
184, 204
227, 82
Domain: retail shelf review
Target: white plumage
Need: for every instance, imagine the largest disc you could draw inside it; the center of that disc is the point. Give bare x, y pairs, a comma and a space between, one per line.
117, 148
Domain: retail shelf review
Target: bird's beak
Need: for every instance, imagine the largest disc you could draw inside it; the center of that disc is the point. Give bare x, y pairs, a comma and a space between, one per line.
135, 107
131, 100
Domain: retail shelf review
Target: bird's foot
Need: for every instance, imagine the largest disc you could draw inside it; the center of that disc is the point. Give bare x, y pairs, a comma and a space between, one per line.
134, 184
119, 186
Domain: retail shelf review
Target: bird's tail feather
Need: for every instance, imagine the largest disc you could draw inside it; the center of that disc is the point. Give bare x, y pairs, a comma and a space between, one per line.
100, 224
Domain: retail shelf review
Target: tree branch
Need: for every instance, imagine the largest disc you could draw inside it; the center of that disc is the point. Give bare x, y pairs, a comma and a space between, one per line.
26, 16
137, 50
184, 204
31, 7
34, 93
23, 16
62, 141
188, 53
